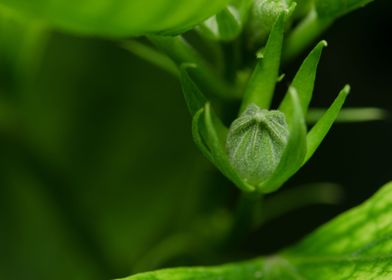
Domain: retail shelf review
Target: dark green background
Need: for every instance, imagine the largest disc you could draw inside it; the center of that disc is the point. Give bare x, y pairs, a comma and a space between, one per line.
97, 164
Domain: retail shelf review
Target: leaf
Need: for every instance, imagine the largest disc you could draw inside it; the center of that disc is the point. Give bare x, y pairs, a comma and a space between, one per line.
117, 17
337, 8
97, 143
261, 85
224, 26
215, 135
350, 115
296, 147
194, 98
355, 245
197, 137
178, 49
304, 79
151, 55
208, 131
321, 128
21, 48
315, 22
245, 271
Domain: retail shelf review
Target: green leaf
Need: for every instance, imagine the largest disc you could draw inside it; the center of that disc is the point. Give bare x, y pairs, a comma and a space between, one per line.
246, 271
355, 245
194, 98
197, 137
117, 17
321, 128
304, 34
350, 115
315, 22
337, 8
215, 137
224, 26
261, 85
244, 7
304, 79
21, 47
208, 131
295, 150
151, 55
178, 49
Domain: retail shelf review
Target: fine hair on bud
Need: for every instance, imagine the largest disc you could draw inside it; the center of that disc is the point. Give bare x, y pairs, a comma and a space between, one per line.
255, 143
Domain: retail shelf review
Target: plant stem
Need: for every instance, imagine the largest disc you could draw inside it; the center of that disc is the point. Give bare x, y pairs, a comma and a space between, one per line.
304, 34
243, 218
151, 55
181, 52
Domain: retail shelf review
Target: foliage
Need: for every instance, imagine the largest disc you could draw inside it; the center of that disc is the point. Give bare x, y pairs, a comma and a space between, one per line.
355, 245
100, 183
119, 18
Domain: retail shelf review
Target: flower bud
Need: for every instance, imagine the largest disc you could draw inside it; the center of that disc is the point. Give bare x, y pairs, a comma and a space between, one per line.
255, 143
263, 16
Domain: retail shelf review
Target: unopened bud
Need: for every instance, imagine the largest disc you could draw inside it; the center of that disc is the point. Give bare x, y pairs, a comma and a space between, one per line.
255, 143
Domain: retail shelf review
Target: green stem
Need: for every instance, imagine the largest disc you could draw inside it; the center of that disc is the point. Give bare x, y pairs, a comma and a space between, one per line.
151, 55
304, 35
232, 53
181, 52
247, 206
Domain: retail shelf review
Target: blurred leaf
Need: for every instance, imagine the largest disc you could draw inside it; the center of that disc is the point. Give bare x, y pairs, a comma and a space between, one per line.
261, 85
304, 34
181, 52
117, 17
224, 26
194, 99
355, 245
92, 120
302, 8
321, 128
34, 231
21, 45
317, 20
337, 8
349, 115
151, 55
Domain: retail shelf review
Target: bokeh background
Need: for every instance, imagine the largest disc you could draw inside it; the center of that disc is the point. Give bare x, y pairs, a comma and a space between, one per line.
99, 177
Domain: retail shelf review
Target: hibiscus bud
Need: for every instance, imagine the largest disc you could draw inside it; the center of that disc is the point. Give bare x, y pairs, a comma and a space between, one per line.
255, 143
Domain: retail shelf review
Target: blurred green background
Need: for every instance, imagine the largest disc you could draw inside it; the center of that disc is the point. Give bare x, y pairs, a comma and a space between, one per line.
99, 177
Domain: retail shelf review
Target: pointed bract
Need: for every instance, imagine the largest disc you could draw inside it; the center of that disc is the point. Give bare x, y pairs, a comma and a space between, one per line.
295, 150
304, 79
321, 128
261, 85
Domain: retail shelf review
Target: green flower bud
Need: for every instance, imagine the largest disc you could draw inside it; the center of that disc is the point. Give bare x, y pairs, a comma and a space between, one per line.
255, 143
263, 16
